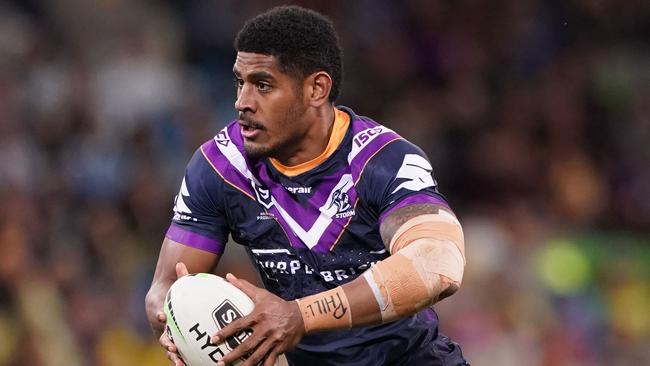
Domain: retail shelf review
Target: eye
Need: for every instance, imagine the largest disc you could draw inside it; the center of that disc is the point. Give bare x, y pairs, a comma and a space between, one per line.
263, 87
238, 82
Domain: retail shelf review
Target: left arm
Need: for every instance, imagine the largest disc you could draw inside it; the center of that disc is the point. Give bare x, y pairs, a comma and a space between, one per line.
426, 265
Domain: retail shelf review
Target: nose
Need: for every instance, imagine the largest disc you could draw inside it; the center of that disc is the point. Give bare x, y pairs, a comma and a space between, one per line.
245, 101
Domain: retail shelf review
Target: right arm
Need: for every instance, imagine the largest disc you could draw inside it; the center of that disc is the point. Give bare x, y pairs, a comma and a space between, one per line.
193, 244
172, 253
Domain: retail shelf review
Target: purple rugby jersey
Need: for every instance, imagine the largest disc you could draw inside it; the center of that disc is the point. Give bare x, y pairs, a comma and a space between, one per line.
314, 231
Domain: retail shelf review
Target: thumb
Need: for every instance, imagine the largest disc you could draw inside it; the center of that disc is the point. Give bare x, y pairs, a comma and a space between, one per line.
249, 289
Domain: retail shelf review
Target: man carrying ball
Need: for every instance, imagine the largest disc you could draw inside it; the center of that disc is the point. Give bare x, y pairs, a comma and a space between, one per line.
341, 215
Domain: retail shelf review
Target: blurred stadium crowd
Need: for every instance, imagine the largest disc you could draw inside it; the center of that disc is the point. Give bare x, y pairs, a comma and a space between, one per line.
535, 114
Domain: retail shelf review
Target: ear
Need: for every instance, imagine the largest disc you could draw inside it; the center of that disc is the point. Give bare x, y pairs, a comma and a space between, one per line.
317, 88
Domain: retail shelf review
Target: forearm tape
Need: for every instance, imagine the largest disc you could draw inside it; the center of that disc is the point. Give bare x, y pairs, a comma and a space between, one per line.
428, 254
326, 310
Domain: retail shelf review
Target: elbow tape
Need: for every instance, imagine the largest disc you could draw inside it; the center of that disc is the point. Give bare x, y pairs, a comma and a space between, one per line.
424, 249
440, 226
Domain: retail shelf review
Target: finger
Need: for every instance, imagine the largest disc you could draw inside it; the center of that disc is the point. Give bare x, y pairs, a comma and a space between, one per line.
260, 353
181, 270
179, 362
249, 289
167, 343
246, 347
171, 348
173, 357
232, 329
272, 357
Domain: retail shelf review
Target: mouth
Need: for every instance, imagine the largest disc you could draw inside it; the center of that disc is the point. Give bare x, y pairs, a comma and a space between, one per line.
249, 130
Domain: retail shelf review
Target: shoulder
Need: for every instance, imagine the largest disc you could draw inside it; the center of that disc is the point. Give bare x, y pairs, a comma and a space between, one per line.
227, 143
399, 164
226, 156
366, 139
210, 160
387, 167
372, 135
377, 150
225, 151
399, 153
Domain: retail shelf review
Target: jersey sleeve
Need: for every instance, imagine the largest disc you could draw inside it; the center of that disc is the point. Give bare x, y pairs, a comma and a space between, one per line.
199, 219
399, 175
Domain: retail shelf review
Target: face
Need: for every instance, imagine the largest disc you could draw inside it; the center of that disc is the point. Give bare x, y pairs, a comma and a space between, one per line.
270, 105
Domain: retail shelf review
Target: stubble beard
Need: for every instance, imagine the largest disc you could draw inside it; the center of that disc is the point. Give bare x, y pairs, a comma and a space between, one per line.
279, 149
256, 152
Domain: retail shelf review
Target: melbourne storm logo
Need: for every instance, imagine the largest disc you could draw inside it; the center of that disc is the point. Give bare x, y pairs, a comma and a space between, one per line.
341, 201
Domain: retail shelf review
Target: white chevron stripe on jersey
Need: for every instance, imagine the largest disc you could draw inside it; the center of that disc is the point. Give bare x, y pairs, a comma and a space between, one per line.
312, 236
234, 156
309, 237
270, 251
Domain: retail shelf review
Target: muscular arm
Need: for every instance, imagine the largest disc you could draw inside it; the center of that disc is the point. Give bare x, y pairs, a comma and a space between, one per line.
393, 222
172, 253
425, 266
396, 219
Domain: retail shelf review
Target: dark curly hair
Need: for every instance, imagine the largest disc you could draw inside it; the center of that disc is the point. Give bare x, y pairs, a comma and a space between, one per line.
302, 40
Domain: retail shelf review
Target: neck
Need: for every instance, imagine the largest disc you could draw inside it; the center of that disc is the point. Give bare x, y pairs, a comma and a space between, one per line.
314, 141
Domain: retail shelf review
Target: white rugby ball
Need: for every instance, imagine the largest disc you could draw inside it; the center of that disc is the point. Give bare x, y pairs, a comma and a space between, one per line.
197, 306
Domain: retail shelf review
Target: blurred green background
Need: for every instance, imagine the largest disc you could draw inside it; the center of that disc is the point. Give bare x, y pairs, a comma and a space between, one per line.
535, 114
